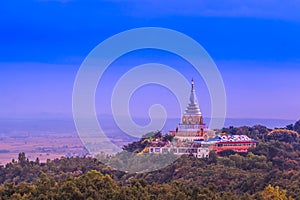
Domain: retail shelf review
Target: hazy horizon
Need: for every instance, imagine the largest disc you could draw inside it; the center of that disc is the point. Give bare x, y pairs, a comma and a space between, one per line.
107, 122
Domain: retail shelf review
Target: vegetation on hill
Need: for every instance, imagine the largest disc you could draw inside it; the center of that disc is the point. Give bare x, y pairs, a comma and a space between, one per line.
270, 171
283, 135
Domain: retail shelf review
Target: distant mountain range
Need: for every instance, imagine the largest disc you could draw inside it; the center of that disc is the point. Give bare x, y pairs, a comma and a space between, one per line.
66, 124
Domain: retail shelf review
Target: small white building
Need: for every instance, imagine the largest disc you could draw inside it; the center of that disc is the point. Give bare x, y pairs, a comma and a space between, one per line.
199, 152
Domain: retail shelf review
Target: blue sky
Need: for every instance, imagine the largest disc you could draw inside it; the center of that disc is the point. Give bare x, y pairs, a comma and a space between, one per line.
255, 45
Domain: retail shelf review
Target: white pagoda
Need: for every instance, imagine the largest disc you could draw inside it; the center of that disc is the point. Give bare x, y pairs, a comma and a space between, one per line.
192, 127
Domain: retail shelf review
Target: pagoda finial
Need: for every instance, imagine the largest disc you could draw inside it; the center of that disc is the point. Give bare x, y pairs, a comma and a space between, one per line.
193, 83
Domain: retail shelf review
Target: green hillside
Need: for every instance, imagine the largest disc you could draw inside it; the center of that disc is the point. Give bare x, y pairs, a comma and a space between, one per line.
270, 171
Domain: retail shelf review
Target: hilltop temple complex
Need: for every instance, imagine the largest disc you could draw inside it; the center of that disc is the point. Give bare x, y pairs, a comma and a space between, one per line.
192, 136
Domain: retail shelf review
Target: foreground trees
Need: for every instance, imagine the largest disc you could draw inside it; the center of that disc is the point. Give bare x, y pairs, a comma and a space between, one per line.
232, 176
95, 185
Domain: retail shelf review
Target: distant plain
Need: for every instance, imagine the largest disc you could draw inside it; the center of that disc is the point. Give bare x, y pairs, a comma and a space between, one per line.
54, 138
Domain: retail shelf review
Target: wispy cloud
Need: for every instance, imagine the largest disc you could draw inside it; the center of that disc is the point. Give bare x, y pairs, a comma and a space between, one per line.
60, 1
275, 9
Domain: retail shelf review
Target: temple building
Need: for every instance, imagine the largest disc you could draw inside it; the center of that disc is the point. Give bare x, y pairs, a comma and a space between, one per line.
192, 127
237, 143
192, 136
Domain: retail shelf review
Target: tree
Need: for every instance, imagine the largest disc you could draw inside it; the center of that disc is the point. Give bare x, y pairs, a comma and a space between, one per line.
212, 159
297, 126
226, 153
283, 135
274, 193
45, 186
37, 161
22, 160
69, 190
95, 185
290, 127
